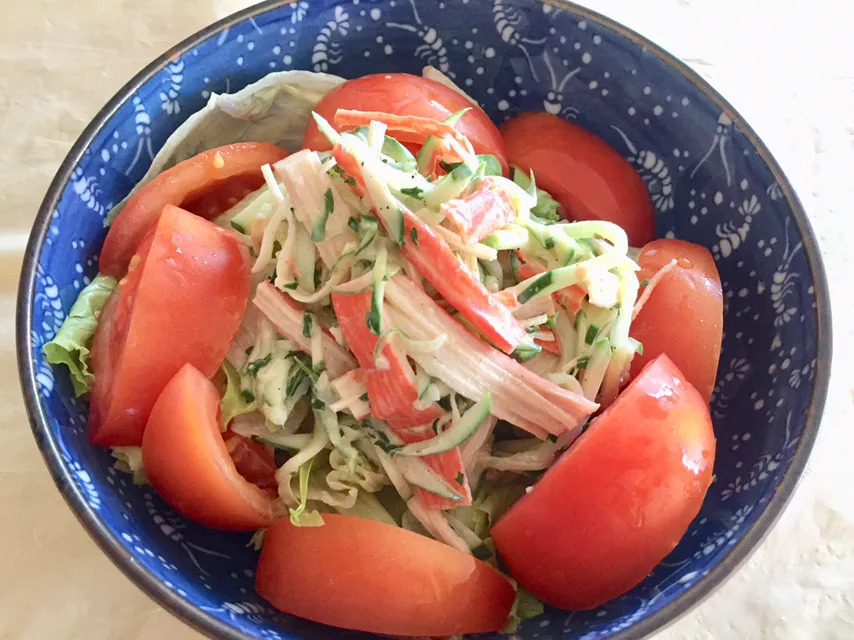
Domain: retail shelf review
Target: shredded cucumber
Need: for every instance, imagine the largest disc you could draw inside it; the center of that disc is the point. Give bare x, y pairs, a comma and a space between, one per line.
374, 318
399, 155
596, 367
306, 255
449, 186
459, 431
259, 204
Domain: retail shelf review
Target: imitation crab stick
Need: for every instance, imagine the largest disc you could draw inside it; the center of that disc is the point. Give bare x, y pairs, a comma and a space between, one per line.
472, 368
431, 256
287, 316
433, 259
392, 393
426, 251
480, 213
391, 390
405, 128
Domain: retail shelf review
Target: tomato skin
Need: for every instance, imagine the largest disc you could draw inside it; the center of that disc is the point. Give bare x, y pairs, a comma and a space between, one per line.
407, 95
369, 576
581, 171
187, 461
192, 183
690, 295
183, 302
253, 460
618, 501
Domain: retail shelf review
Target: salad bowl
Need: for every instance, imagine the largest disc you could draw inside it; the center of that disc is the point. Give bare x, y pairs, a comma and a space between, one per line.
711, 181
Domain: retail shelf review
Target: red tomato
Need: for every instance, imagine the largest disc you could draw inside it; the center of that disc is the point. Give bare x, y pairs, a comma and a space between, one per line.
253, 460
182, 301
207, 184
687, 296
187, 460
370, 576
589, 178
222, 195
618, 501
406, 95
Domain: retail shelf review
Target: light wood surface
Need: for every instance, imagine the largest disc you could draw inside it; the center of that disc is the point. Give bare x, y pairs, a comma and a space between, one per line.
785, 65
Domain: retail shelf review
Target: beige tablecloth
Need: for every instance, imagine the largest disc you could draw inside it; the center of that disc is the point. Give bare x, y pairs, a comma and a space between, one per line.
785, 64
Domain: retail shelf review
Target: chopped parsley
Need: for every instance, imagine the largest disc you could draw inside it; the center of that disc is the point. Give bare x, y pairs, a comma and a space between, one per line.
415, 192
449, 166
592, 333
318, 229
383, 442
255, 366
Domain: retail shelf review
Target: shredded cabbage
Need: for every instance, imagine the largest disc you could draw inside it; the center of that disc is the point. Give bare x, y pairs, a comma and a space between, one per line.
299, 516
235, 401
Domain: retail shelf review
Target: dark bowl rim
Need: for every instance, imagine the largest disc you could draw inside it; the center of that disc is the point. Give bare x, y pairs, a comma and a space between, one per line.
213, 627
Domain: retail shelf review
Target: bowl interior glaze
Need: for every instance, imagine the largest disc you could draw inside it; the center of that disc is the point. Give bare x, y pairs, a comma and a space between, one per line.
711, 181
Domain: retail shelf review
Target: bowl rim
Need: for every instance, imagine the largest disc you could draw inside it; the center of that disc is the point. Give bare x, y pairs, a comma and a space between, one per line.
207, 623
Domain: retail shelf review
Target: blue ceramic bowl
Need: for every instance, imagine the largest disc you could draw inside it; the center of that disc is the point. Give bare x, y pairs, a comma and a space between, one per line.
712, 182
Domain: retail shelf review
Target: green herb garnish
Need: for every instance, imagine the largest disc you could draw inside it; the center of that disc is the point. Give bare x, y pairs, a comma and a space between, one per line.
414, 192
255, 366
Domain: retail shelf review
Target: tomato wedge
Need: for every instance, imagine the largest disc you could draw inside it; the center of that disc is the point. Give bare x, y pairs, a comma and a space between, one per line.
618, 501
182, 301
207, 184
402, 94
253, 460
589, 178
370, 576
689, 295
188, 462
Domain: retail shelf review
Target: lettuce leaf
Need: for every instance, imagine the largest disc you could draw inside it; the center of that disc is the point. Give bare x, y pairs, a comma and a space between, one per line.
129, 460
71, 344
524, 608
546, 207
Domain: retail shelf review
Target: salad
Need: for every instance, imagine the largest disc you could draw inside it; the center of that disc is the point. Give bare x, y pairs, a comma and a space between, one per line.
442, 371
